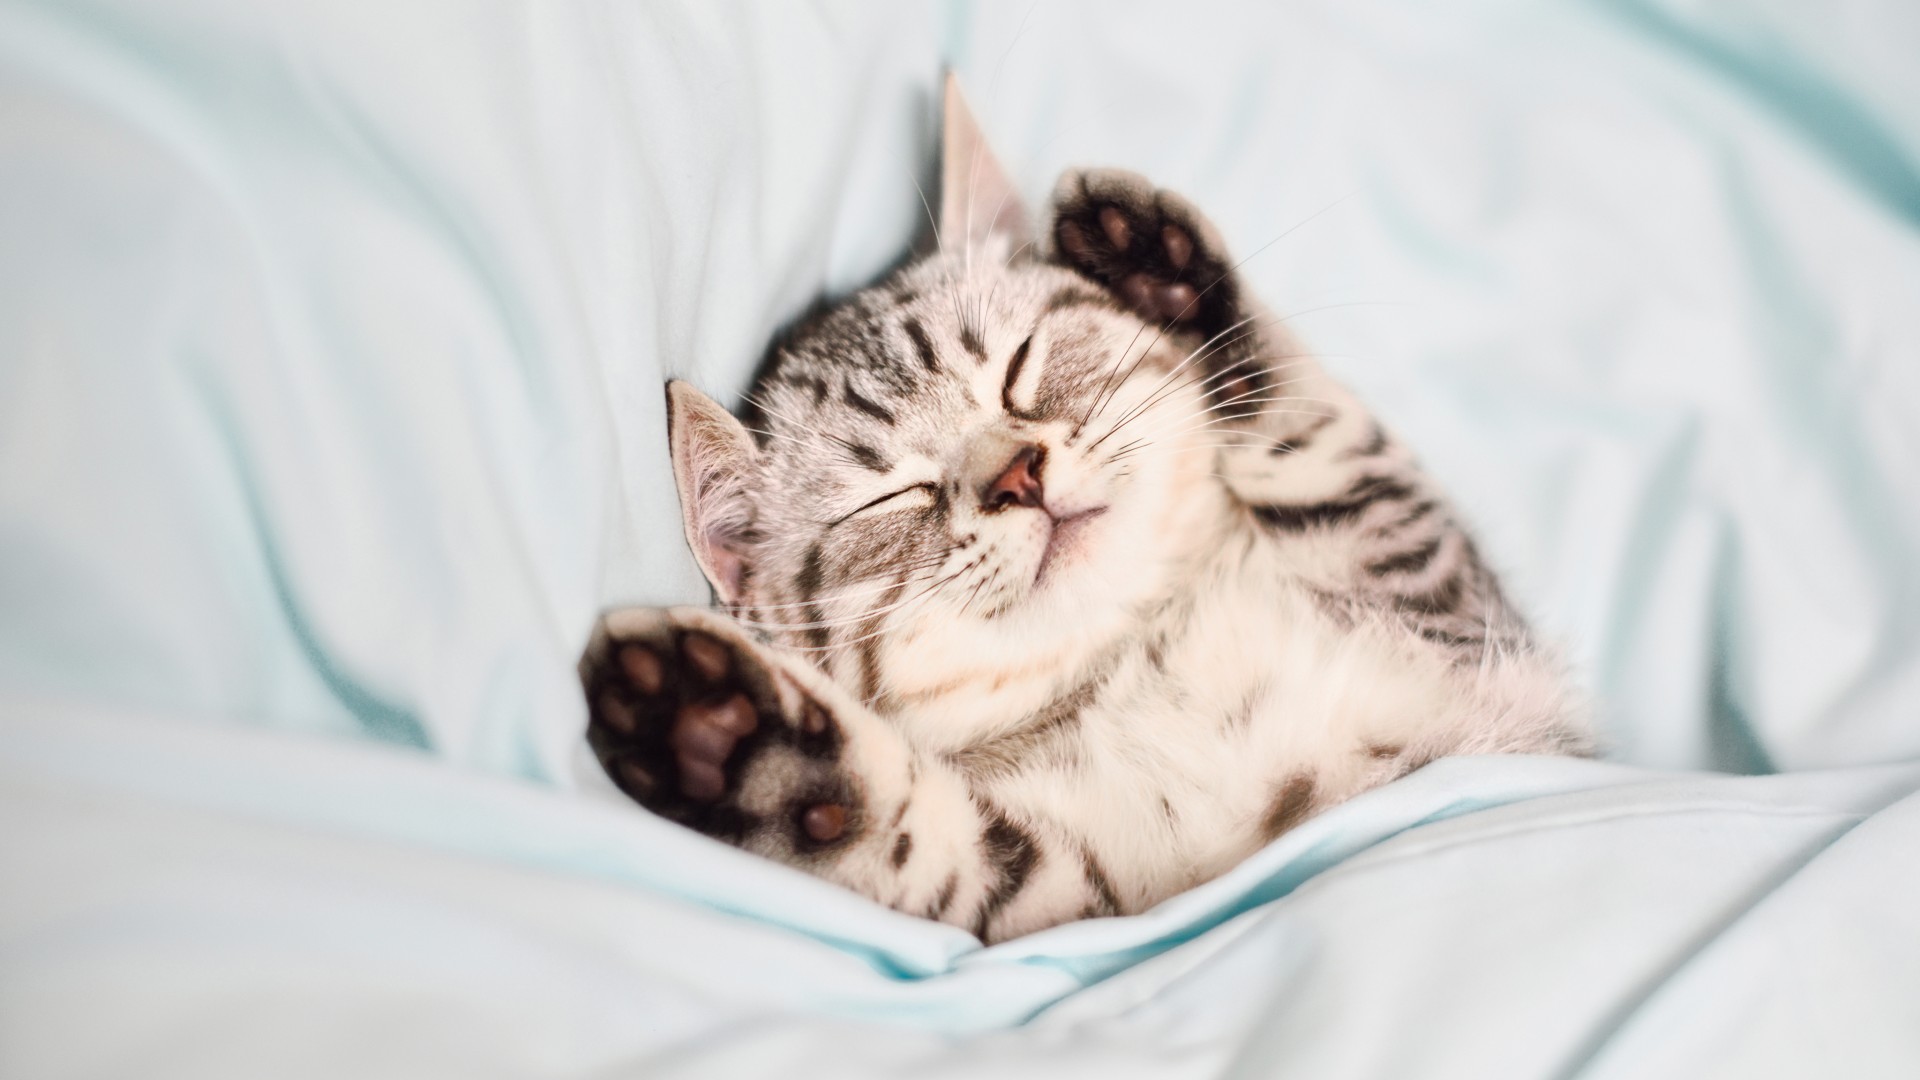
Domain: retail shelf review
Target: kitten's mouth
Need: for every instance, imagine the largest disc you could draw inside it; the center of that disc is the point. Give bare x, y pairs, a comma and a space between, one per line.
1063, 539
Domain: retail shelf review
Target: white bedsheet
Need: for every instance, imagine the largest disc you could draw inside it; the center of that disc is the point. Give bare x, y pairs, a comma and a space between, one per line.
331, 345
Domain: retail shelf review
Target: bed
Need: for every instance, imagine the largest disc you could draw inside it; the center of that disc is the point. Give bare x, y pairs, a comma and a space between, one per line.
332, 340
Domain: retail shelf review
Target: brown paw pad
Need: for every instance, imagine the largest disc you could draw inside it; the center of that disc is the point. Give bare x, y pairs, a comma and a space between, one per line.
1170, 300
1119, 231
1178, 245
682, 717
824, 822
708, 657
704, 736
1142, 248
643, 668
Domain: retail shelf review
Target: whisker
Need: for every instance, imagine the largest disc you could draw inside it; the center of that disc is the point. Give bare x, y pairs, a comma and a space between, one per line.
1276, 321
848, 444
1241, 417
840, 458
1208, 408
844, 594
1154, 437
923, 594
829, 624
1204, 348
1238, 368
938, 243
1207, 347
1144, 442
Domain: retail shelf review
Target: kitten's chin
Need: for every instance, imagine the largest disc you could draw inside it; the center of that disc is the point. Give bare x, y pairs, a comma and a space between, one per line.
1066, 547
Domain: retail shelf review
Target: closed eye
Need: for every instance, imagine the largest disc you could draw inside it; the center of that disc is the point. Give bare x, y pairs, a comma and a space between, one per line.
1018, 362
931, 490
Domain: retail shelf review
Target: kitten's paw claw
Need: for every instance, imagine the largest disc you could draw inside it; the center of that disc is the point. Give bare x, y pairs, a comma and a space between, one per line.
704, 729
1150, 247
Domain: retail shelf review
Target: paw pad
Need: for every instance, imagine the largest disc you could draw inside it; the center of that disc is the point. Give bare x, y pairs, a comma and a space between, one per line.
825, 822
706, 656
1144, 245
677, 717
643, 668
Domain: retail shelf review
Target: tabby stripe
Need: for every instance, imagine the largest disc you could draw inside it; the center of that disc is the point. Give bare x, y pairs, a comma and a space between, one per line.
1372, 488
1439, 600
1415, 762
866, 405
1407, 562
865, 456
1012, 853
1450, 639
1009, 752
1289, 806
808, 382
812, 575
1363, 494
945, 899
819, 637
1242, 715
1376, 442
869, 646
1304, 439
922, 344
1414, 513
970, 341
1074, 296
1102, 885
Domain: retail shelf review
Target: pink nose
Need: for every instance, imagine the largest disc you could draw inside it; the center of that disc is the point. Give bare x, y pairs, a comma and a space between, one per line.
1018, 484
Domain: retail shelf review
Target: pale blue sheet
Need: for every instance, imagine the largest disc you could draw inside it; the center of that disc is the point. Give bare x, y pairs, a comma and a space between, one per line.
331, 345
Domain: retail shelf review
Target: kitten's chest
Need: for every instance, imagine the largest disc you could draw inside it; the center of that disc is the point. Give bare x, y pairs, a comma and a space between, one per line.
1248, 659
1237, 694
1260, 666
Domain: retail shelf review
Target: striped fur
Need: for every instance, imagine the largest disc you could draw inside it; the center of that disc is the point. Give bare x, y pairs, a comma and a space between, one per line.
1236, 602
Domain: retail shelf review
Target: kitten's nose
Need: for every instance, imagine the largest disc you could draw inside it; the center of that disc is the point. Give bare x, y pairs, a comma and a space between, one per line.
1018, 484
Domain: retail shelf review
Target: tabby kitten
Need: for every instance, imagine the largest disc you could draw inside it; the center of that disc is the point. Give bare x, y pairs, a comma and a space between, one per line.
1056, 579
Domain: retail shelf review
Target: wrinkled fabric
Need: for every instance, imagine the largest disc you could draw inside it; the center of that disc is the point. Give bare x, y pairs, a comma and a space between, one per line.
331, 348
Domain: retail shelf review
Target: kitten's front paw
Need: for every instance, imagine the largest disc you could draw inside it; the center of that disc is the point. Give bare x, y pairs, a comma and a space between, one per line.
1149, 246
697, 723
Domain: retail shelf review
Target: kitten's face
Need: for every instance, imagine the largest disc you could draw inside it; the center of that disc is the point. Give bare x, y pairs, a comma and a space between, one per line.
971, 470
983, 461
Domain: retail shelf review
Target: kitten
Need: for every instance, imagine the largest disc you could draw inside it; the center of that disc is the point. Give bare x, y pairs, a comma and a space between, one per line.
1057, 579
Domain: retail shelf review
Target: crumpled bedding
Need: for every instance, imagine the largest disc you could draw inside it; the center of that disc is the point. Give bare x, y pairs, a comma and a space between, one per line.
331, 346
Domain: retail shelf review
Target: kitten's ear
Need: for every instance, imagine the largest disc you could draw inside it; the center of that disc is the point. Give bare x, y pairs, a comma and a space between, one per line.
979, 206
714, 460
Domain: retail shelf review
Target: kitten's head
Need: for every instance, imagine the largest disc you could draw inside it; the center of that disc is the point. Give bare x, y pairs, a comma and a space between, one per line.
987, 461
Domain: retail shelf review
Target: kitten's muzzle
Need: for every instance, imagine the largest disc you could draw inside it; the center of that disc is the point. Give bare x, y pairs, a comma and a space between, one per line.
1018, 482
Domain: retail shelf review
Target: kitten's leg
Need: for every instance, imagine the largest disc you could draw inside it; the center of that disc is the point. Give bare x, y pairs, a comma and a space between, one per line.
705, 726
1315, 467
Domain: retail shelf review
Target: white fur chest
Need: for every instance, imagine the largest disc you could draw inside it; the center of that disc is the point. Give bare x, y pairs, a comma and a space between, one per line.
1247, 694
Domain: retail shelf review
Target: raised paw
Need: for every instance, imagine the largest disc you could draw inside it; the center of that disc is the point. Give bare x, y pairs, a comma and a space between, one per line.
700, 726
1149, 246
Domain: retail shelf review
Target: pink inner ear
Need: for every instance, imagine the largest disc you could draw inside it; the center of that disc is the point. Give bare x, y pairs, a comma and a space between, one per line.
725, 567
